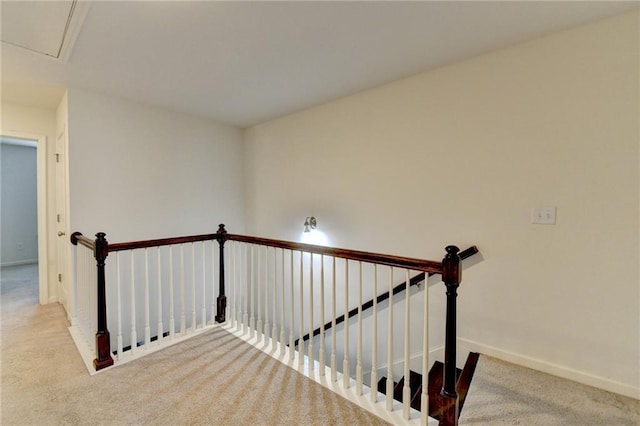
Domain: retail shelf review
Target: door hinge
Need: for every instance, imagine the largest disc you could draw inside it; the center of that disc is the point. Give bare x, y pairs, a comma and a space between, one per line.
59, 278
57, 158
58, 217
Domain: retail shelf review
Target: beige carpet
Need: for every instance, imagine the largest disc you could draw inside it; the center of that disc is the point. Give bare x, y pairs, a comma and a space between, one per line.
212, 379
505, 394
216, 379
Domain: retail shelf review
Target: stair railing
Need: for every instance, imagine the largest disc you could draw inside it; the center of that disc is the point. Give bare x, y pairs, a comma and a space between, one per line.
279, 289
272, 292
413, 281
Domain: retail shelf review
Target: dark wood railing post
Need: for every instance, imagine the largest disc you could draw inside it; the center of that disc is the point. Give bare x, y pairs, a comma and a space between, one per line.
451, 277
222, 299
103, 342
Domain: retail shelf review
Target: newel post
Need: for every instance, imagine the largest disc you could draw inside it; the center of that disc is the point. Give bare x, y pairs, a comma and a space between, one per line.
451, 275
222, 299
103, 343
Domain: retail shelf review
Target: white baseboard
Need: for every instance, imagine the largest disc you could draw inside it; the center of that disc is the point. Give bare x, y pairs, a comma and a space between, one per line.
550, 368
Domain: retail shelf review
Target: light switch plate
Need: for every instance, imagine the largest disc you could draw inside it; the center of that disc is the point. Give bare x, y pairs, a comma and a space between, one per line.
543, 215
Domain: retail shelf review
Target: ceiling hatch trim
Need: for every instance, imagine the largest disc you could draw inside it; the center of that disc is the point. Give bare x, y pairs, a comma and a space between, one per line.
25, 22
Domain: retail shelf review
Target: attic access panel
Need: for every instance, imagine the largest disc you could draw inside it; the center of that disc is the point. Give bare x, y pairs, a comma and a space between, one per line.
44, 27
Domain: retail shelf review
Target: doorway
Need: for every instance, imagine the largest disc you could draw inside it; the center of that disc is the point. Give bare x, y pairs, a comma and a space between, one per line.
24, 202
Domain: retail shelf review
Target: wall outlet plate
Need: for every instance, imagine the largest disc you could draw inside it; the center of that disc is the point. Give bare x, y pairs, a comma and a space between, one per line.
543, 215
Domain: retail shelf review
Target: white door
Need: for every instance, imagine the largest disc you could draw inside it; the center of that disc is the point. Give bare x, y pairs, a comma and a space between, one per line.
62, 223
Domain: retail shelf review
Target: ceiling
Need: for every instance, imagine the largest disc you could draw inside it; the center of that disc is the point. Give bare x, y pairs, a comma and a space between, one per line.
243, 63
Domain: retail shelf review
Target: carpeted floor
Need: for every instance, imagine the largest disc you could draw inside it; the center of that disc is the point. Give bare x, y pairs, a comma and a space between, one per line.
216, 379
212, 379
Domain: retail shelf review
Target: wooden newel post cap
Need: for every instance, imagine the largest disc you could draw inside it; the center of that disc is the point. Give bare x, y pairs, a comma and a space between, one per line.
451, 266
101, 246
452, 251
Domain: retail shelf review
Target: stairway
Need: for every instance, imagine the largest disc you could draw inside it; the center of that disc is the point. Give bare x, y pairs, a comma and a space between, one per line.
437, 404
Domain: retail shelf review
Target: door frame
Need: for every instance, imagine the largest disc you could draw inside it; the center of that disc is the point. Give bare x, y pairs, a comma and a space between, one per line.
41, 189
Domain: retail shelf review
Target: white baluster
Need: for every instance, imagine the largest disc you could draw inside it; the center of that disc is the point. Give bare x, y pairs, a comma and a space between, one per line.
374, 338
147, 322
282, 342
204, 286
239, 286
160, 324
231, 284
119, 306
193, 287
424, 403
291, 308
252, 321
321, 351
334, 364
266, 296
345, 360
245, 317
310, 356
359, 342
183, 315
259, 299
172, 320
134, 333
389, 400
406, 390
301, 317
274, 329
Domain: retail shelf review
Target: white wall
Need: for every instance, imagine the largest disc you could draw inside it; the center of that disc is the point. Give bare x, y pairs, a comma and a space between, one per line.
19, 215
461, 155
139, 172
39, 122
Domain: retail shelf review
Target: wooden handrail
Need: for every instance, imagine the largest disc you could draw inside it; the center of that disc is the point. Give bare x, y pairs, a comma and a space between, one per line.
133, 245
429, 266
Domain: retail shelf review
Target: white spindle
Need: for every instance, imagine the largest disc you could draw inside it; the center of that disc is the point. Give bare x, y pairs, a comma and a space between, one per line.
259, 299
183, 315
193, 287
374, 338
291, 308
321, 351
231, 284
334, 364
345, 360
274, 329
389, 399
147, 322
266, 296
252, 321
245, 317
239, 286
310, 356
424, 402
406, 390
282, 342
172, 320
159, 313
134, 333
359, 343
301, 317
204, 286
119, 306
